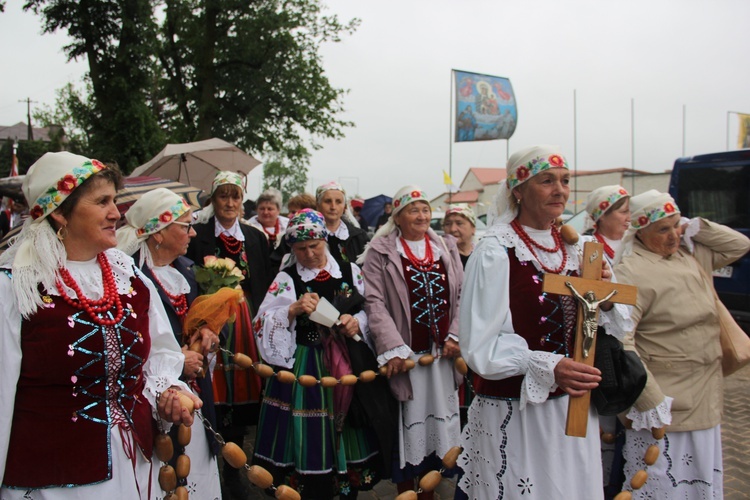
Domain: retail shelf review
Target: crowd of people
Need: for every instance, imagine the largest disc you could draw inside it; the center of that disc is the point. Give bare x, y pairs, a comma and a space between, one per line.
98, 360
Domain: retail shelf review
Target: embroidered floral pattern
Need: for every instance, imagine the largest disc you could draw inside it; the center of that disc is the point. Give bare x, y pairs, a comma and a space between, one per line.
224, 177
654, 214
409, 197
535, 166
278, 287
606, 204
56, 194
165, 218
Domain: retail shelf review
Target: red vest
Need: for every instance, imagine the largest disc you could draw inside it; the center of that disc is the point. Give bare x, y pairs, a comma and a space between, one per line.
537, 317
61, 422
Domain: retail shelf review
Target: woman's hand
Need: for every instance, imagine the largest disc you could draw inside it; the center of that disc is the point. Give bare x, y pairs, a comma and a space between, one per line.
349, 325
576, 378
193, 363
451, 349
209, 339
395, 366
305, 305
170, 408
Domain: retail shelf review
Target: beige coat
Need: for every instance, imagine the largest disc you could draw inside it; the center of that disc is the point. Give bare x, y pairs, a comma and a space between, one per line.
677, 327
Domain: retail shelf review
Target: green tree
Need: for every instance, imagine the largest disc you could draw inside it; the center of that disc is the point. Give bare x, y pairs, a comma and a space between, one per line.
73, 111
289, 178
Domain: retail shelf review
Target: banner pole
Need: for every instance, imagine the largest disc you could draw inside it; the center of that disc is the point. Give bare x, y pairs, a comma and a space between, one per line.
728, 113
575, 150
450, 136
632, 146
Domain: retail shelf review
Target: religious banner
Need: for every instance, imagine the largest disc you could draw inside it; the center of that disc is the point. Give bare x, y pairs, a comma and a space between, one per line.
743, 136
485, 107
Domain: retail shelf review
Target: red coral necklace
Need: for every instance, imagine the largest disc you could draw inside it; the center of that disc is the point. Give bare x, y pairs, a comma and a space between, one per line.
531, 244
94, 307
424, 264
607, 249
232, 244
178, 301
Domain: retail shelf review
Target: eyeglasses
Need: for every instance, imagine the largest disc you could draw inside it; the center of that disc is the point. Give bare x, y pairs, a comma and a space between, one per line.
188, 225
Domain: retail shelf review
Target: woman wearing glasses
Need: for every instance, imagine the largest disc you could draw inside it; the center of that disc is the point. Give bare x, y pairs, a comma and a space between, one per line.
157, 233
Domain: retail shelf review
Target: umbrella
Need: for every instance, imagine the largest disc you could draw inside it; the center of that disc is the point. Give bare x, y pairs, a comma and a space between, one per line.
135, 187
11, 187
196, 163
373, 208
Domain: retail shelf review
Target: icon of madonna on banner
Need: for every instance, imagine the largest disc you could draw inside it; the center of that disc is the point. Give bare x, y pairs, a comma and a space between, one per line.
485, 107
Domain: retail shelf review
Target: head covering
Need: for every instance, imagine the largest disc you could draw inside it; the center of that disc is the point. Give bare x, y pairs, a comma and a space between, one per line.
357, 203
602, 199
307, 224
522, 166
36, 254
645, 209
151, 213
462, 209
333, 185
222, 177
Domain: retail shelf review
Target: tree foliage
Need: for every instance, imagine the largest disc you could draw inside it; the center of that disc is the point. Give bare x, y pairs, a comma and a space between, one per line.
73, 112
288, 178
246, 71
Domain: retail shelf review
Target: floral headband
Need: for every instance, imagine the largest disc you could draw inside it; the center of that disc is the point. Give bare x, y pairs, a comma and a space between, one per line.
226, 177
55, 194
165, 218
464, 210
603, 205
407, 195
327, 187
307, 224
650, 207
534, 166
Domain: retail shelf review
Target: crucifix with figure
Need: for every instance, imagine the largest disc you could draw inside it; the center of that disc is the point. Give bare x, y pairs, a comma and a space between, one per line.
589, 292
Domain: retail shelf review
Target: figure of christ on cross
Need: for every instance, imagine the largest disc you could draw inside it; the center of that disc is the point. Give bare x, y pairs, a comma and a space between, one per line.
588, 313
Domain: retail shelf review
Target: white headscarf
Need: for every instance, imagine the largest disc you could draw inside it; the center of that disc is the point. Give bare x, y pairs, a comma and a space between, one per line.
333, 185
645, 209
222, 177
600, 200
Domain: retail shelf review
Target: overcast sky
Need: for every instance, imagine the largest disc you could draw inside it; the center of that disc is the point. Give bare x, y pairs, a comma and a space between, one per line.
661, 54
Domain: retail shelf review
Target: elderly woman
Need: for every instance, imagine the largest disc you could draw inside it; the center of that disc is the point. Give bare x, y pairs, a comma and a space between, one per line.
268, 219
519, 342
346, 239
608, 209
236, 390
413, 286
157, 232
304, 434
461, 223
299, 202
676, 335
88, 357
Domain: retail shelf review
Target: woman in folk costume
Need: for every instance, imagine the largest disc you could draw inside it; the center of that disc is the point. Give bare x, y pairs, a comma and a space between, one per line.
157, 232
268, 220
88, 356
220, 234
345, 238
413, 286
676, 334
305, 436
519, 342
461, 223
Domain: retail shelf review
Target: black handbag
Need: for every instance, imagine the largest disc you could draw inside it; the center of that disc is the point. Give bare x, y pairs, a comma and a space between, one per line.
623, 376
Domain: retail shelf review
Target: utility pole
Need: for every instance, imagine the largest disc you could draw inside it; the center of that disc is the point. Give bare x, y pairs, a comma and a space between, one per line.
29, 129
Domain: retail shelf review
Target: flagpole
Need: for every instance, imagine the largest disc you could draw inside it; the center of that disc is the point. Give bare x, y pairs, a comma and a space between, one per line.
684, 114
575, 150
728, 113
450, 137
632, 146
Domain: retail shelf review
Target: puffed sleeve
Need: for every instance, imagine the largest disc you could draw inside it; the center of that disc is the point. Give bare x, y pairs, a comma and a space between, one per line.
488, 341
276, 340
10, 364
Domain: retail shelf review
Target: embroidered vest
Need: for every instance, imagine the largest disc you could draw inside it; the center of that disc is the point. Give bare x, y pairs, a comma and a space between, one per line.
67, 393
428, 305
545, 321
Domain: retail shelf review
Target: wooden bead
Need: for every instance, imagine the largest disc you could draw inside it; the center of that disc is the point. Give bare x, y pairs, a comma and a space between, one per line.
286, 377
167, 478
426, 359
658, 432
624, 495
329, 382
652, 454
307, 381
182, 467
608, 438
163, 447
240, 359
367, 376
284, 492
184, 434
409, 364
196, 346
263, 370
450, 458
260, 477
186, 402
234, 455
461, 366
430, 481
349, 379
639, 479
569, 234
407, 495
181, 493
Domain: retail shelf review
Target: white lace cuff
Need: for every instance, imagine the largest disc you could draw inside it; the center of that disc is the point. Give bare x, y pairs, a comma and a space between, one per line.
693, 228
617, 321
658, 417
403, 351
275, 339
540, 377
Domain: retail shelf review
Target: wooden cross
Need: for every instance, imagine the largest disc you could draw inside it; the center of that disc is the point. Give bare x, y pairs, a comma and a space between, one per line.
589, 291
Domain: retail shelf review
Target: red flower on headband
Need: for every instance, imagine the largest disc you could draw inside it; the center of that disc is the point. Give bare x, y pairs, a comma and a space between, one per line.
623, 192
522, 173
604, 205
67, 184
99, 165
556, 161
416, 194
642, 220
36, 212
166, 217
396, 203
669, 208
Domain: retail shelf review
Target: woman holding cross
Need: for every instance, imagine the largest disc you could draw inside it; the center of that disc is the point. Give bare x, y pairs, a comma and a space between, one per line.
519, 341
